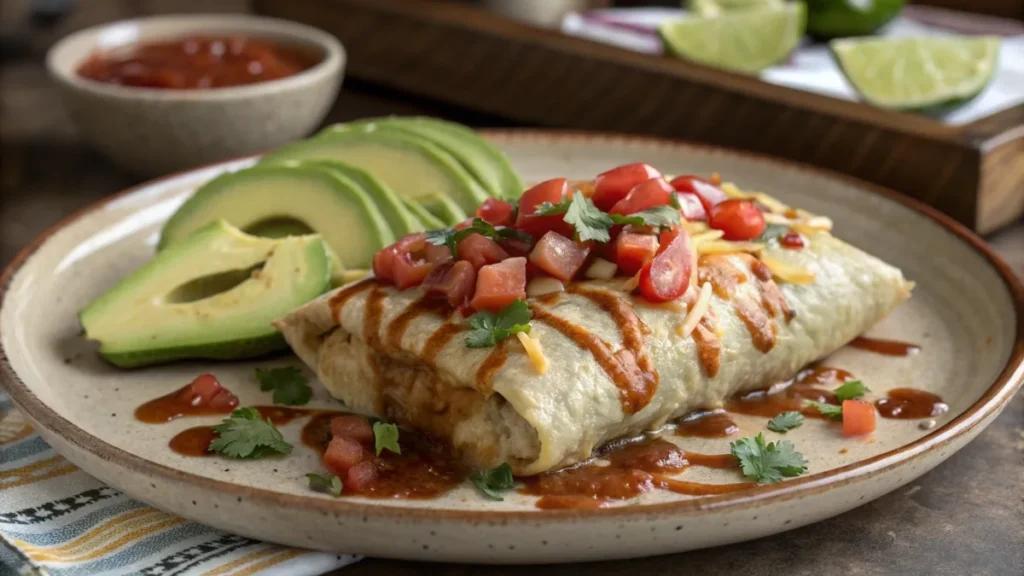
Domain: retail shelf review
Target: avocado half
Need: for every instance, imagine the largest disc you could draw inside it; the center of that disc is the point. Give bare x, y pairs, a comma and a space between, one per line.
212, 295
321, 199
479, 157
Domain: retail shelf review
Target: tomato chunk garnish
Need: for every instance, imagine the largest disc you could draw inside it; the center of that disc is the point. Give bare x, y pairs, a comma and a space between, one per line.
206, 390
405, 262
360, 476
559, 256
858, 418
653, 192
343, 453
793, 240
407, 272
708, 193
354, 427
453, 281
496, 212
479, 251
738, 219
691, 207
553, 191
615, 184
633, 251
498, 285
667, 276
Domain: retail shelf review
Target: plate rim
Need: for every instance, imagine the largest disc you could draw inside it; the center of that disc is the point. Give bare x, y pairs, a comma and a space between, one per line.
994, 399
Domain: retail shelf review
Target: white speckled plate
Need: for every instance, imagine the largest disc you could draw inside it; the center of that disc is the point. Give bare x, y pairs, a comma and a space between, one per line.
966, 313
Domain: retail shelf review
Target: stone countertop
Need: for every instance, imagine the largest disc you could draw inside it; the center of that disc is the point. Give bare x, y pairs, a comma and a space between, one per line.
964, 517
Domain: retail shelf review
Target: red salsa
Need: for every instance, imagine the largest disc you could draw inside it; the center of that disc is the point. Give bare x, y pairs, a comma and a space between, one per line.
196, 62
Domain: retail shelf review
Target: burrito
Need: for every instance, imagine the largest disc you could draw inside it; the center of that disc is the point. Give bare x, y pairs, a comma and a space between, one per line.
601, 361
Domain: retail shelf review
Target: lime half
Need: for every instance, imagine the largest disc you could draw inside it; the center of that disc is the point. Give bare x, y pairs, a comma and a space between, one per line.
744, 41
709, 8
918, 73
839, 18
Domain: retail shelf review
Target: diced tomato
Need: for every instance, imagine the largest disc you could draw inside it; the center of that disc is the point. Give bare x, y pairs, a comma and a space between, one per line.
708, 193
738, 219
454, 281
858, 417
412, 243
654, 192
205, 390
633, 251
498, 285
515, 247
360, 476
793, 240
559, 256
553, 191
436, 254
383, 263
496, 212
354, 427
667, 276
408, 273
691, 207
615, 184
464, 224
479, 251
343, 453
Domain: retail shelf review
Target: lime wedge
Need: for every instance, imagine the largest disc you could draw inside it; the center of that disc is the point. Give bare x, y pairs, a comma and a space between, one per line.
918, 73
708, 8
744, 41
839, 18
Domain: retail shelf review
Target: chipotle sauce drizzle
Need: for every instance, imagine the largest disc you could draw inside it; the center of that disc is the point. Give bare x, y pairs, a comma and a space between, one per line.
886, 347
790, 395
193, 441
338, 301
910, 404
625, 368
706, 424
396, 330
439, 339
189, 400
490, 366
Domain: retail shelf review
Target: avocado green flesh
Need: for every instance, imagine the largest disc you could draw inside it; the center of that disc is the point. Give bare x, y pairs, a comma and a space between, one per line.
443, 208
478, 156
397, 216
429, 221
410, 165
320, 199
171, 308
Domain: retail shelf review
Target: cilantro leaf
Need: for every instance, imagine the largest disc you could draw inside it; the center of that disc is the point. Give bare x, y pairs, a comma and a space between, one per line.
673, 200
831, 410
590, 223
772, 232
329, 484
490, 328
549, 209
768, 463
246, 435
288, 383
490, 481
442, 237
385, 436
786, 421
850, 390
657, 217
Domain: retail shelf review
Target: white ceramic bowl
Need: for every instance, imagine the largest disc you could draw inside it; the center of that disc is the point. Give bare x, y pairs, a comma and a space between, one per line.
150, 131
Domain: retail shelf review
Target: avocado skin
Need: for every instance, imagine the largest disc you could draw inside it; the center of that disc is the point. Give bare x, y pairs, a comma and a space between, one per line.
102, 313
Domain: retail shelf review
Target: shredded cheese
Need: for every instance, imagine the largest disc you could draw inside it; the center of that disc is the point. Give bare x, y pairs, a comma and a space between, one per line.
353, 275
698, 239
728, 247
694, 227
631, 284
534, 352
788, 272
812, 225
770, 203
733, 191
544, 285
697, 312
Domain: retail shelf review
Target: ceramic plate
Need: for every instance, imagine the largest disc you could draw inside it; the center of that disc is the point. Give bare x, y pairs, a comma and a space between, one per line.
965, 314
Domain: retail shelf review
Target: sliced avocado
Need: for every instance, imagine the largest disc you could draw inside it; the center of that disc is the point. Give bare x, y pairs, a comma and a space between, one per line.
391, 208
429, 221
276, 197
408, 164
212, 295
442, 206
482, 159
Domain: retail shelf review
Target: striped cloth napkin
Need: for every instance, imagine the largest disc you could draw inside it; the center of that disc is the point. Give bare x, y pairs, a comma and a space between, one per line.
57, 520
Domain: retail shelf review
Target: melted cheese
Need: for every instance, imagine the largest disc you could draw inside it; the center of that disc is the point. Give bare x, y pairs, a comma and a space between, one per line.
698, 239
727, 247
534, 352
787, 272
631, 284
697, 312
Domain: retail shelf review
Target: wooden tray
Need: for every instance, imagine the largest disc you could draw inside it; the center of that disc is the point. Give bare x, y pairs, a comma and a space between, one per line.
462, 55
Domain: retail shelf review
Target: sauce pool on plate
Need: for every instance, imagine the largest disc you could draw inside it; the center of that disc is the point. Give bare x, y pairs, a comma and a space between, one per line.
196, 62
